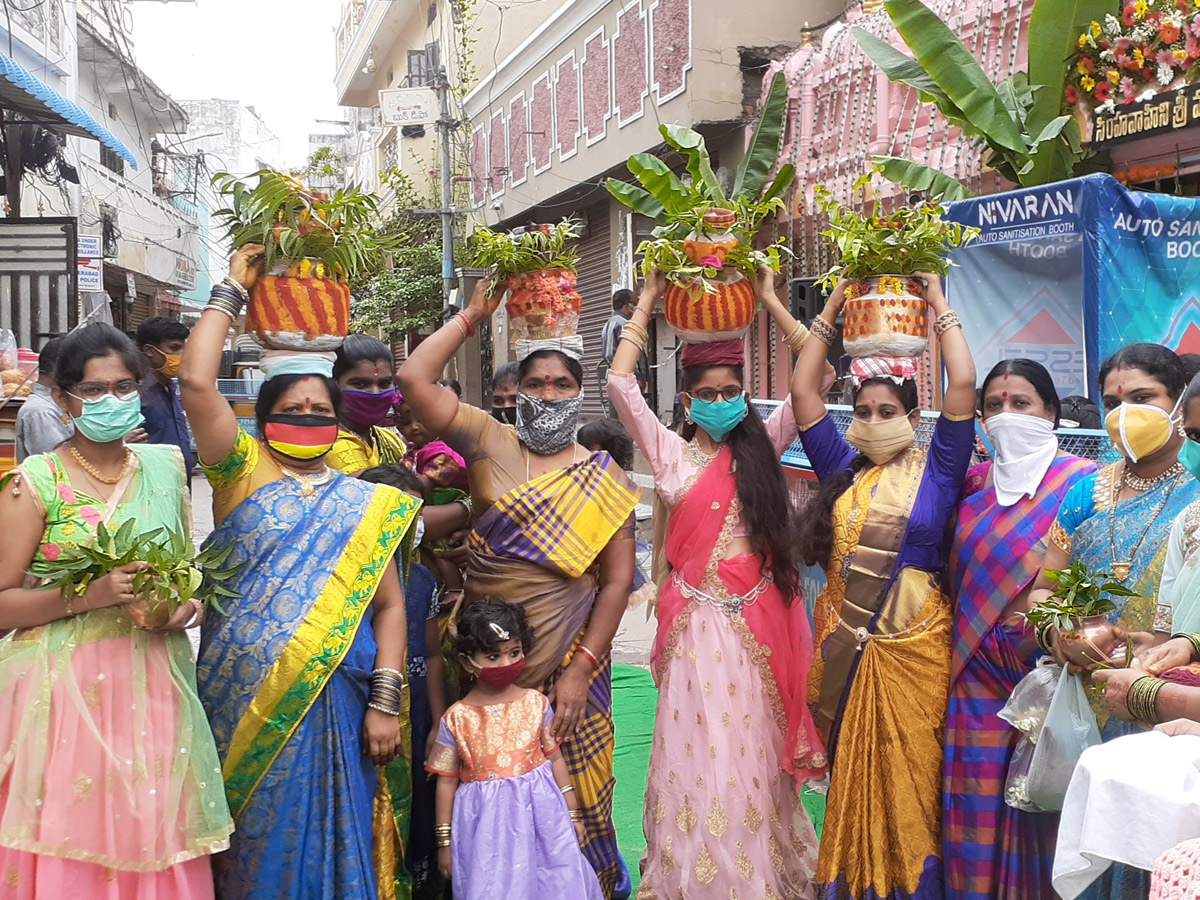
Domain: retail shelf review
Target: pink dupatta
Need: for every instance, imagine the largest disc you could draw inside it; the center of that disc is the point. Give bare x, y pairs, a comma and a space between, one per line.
777, 636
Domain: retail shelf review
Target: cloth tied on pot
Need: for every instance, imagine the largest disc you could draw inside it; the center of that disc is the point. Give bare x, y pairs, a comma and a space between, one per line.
571, 345
898, 368
295, 362
714, 353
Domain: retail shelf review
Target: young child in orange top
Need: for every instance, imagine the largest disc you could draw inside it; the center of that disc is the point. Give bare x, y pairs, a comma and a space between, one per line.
508, 820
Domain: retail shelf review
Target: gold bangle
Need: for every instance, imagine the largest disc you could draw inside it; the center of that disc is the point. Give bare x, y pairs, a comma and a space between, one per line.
442, 844
796, 338
636, 330
576, 815
461, 327
823, 331
613, 373
567, 789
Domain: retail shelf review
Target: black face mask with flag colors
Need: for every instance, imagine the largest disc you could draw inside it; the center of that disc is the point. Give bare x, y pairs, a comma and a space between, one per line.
303, 437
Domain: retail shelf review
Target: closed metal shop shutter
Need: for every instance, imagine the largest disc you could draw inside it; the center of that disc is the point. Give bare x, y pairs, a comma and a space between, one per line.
595, 286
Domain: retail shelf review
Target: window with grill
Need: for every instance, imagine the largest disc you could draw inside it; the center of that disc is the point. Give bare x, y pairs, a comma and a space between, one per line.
110, 160
418, 68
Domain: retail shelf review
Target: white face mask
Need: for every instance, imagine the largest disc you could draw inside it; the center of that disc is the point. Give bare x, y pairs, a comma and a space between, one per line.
1025, 447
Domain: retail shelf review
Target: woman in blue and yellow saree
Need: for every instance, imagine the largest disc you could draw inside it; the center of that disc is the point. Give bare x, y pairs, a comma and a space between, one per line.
553, 533
300, 672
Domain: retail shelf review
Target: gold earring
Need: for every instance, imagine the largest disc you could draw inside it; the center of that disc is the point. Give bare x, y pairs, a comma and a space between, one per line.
66, 418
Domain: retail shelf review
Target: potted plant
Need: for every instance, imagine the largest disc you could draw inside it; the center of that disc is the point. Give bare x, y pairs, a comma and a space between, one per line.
315, 245
885, 314
174, 574
1078, 609
537, 265
704, 241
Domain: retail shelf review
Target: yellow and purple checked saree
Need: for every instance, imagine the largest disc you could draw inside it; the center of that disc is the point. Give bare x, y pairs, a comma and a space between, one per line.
537, 545
284, 676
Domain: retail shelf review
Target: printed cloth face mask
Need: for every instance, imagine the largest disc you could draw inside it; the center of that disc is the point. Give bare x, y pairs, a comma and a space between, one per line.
547, 426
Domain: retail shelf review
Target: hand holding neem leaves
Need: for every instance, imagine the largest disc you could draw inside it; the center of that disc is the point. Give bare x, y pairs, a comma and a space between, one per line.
1080, 594
174, 572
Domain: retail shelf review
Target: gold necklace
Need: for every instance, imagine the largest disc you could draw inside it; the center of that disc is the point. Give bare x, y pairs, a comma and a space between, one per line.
95, 473
309, 483
1121, 569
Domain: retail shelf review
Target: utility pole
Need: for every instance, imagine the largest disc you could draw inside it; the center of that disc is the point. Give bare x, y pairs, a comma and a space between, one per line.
446, 126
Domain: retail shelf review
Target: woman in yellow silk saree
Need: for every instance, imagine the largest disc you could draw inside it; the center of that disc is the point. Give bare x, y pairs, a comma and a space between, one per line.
880, 682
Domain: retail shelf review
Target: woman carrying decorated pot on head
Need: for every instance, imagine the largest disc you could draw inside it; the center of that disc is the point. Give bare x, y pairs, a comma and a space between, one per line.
363, 370
554, 533
993, 851
879, 526
302, 675
733, 737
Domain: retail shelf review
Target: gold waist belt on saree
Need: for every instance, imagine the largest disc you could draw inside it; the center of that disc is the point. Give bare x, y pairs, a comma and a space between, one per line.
862, 635
730, 604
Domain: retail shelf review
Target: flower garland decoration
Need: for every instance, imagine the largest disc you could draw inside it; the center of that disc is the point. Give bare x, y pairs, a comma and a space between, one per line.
1153, 47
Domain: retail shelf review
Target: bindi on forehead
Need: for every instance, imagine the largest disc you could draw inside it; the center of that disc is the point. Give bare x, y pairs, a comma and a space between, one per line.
1005, 394
1006, 376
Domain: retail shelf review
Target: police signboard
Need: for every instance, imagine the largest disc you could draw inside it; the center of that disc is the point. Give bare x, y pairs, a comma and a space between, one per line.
409, 106
91, 263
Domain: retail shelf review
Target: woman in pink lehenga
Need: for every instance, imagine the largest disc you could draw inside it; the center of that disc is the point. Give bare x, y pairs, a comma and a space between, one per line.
110, 785
733, 737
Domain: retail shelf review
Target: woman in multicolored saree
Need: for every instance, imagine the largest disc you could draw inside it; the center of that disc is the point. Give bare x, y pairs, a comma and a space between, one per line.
110, 786
733, 737
554, 533
301, 675
879, 525
1119, 519
991, 850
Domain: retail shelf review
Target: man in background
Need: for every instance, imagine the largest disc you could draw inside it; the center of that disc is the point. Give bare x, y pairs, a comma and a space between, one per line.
40, 425
623, 304
161, 341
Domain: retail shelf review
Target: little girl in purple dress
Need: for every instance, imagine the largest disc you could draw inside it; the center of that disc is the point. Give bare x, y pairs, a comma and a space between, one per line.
508, 820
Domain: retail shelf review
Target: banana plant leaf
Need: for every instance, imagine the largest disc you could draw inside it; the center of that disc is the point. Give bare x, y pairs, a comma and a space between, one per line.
903, 69
780, 183
663, 184
1056, 152
1054, 26
760, 156
917, 177
942, 54
691, 145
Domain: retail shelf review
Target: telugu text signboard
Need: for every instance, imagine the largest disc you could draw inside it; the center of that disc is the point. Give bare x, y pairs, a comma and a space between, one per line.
409, 106
1164, 113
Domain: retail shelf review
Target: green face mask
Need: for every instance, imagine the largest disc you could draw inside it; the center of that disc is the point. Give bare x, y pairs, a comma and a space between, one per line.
1189, 456
718, 417
109, 418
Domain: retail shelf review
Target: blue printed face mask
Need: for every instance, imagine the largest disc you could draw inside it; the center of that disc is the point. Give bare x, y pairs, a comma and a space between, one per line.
1189, 456
718, 417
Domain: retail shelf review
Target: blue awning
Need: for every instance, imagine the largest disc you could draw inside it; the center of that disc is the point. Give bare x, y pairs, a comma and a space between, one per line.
24, 93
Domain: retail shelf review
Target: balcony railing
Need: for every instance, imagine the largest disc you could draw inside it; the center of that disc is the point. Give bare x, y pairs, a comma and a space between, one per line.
42, 21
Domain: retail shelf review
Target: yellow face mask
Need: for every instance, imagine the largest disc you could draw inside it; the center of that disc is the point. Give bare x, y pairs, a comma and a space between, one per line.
883, 441
1139, 429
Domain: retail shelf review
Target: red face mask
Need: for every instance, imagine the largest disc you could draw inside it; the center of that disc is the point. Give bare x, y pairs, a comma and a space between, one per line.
502, 676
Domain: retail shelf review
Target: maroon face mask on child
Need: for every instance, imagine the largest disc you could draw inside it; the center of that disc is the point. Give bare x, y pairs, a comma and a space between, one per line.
502, 676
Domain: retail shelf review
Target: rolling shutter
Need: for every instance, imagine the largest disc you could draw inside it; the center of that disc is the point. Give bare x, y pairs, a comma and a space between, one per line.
595, 286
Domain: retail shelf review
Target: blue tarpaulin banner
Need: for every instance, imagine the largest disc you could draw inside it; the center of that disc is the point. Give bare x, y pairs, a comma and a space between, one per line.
1068, 273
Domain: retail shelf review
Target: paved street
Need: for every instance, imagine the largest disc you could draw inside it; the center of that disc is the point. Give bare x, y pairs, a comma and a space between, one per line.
632, 644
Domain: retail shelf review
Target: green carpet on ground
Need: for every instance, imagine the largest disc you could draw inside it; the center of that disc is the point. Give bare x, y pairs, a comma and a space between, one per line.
634, 699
